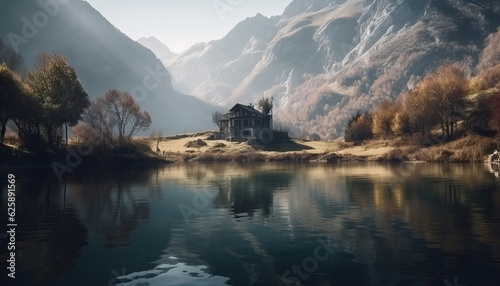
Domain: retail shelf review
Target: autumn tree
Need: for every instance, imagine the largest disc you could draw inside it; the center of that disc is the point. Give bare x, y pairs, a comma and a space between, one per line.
359, 128
401, 126
56, 86
490, 56
486, 79
383, 118
445, 93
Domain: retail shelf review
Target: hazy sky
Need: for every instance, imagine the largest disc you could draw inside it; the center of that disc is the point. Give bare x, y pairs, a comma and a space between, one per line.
181, 23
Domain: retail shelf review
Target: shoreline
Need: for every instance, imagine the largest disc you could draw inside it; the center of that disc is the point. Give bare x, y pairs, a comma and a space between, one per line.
198, 147
201, 148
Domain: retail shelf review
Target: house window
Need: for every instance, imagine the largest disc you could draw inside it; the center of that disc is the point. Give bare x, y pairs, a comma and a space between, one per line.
236, 134
237, 123
246, 133
237, 113
245, 122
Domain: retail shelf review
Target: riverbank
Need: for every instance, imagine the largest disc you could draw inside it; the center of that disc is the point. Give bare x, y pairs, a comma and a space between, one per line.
199, 147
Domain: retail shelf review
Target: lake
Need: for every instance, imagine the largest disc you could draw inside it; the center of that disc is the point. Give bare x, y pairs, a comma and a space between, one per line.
257, 224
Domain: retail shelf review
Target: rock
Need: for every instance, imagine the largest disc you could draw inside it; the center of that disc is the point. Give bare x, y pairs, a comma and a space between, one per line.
196, 144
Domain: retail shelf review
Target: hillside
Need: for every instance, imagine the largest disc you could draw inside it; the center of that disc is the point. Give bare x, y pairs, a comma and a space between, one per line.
324, 60
164, 54
103, 57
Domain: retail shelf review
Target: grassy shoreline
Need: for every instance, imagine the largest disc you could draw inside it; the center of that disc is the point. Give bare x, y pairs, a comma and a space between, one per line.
185, 148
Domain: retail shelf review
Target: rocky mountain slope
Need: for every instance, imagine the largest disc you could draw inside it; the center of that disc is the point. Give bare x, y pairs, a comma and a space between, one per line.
324, 60
103, 57
161, 50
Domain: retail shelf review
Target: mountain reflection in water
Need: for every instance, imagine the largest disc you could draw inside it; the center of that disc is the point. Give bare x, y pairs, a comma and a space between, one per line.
259, 224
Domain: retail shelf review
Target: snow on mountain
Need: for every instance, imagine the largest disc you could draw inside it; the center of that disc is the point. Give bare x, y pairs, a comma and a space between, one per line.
324, 60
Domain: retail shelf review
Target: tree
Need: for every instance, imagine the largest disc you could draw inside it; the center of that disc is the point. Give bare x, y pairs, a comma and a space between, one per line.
495, 115
490, 56
383, 118
12, 89
216, 117
158, 135
265, 105
445, 93
415, 107
359, 128
55, 84
401, 125
100, 120
127, 114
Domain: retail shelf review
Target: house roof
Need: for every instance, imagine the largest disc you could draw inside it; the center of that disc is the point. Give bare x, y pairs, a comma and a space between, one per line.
245, 107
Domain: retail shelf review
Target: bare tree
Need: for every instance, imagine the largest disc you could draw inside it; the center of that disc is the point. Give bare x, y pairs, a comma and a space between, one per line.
100, 119
216, 117
265, 105
158, 135
127, 114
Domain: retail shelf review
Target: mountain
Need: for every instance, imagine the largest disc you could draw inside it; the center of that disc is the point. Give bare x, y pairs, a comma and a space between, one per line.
158, 48
323, 60
103, 57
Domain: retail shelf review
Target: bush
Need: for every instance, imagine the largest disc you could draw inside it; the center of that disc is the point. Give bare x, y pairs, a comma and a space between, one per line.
486, 79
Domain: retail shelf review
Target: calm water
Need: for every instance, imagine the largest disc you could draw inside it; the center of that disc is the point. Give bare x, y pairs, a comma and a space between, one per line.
262, 224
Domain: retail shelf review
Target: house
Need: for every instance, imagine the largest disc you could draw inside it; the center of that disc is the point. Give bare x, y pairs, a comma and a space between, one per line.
244, 122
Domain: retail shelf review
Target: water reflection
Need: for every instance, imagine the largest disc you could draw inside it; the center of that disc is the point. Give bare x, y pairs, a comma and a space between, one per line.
412, 224
49, 236
111, 204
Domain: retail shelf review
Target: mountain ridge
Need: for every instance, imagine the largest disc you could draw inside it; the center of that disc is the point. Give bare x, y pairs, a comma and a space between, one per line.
161, 50
324, 60
104, 59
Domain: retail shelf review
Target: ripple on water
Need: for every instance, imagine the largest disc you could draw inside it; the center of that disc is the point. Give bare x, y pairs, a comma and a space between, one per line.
173, 275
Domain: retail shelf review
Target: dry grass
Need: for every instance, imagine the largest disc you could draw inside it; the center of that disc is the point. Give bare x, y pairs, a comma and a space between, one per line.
233, 155
471, 148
